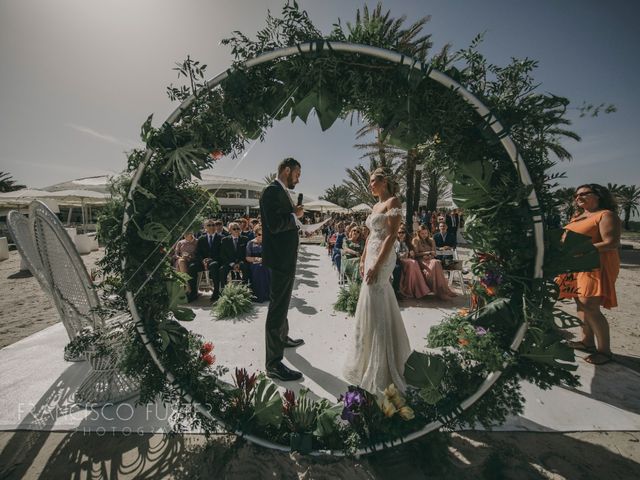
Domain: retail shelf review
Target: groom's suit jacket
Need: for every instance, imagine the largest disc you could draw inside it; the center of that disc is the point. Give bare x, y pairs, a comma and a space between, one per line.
279, 230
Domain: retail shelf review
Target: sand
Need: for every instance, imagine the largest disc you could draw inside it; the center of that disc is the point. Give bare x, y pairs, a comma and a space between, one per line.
25, 309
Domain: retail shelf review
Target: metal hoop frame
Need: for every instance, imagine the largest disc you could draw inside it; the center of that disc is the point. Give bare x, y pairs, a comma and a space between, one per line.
439, 77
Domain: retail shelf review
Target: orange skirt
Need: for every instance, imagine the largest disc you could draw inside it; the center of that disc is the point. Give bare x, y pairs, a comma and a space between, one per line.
600, 282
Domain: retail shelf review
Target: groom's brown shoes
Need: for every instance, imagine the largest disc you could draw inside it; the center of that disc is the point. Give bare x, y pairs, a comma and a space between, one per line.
291, 343
281, 372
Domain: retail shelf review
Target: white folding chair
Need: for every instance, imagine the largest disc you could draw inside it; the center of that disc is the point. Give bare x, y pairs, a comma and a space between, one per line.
455, 272
75, 298
204, 283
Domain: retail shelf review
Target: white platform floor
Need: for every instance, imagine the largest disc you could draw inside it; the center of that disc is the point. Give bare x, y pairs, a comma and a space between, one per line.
37, 385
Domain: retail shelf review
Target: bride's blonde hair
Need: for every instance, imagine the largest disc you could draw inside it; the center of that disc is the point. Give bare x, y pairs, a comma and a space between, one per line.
385, 174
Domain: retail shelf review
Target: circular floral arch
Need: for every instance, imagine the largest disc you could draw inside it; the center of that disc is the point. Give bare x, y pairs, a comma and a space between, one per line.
184, 381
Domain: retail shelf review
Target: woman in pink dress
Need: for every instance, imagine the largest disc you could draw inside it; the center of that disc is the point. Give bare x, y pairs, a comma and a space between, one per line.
412, 282
425, 251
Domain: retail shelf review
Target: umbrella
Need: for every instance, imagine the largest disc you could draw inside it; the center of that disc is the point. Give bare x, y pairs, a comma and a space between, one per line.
22, 198
323, 205
363, 207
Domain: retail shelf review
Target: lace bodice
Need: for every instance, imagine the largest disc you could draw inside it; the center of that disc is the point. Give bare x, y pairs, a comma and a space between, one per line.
379, 228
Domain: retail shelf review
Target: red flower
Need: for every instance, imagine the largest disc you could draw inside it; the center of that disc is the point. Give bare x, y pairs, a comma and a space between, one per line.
491, 291
206, 348
216, 155
463, 342
208, 359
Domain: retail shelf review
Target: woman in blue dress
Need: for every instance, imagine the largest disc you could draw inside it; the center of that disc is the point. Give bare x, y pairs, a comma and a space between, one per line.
260, 275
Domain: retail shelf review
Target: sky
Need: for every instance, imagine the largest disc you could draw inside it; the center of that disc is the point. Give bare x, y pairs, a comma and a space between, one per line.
79, 77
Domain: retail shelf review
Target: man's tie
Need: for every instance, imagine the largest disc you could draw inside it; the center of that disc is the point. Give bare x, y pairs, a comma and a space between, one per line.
235, 243
210, 241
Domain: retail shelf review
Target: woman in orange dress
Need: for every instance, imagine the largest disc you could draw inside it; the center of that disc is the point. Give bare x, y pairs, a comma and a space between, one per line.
597, 217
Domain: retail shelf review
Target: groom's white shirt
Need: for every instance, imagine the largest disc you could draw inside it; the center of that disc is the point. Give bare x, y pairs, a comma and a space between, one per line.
286, 191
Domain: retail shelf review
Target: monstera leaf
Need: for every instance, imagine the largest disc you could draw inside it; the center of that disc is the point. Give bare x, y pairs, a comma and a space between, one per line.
326, 421
425, 372
547, 348
564, 319
178, 297
267, 403
303, 107
154, 232
422, 370
471, 184
569, 252
172, 332
498, 312
185, 161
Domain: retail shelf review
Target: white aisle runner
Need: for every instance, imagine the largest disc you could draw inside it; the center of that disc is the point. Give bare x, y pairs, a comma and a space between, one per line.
36, 384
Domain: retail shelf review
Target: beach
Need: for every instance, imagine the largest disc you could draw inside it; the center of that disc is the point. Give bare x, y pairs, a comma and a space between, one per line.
25, 309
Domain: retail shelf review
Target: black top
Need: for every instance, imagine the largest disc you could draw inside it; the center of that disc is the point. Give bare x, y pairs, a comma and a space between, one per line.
231, 253
203, 250
279, 230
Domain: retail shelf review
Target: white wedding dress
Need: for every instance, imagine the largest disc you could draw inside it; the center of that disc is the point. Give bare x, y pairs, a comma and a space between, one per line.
379, 344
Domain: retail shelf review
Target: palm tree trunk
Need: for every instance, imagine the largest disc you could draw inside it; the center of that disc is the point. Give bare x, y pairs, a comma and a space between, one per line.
432, 196
411, 168
627, 217
417, 190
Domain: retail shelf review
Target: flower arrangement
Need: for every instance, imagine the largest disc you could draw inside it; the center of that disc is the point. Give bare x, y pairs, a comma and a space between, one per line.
236, 300
348, 298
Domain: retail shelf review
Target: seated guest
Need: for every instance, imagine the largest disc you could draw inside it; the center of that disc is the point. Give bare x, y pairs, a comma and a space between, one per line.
445, 241
351, 252
412, 282
340, 236
220, 228
425, 251
245, 229
207, 258
259, 274
233, 250
184, 253
365, 233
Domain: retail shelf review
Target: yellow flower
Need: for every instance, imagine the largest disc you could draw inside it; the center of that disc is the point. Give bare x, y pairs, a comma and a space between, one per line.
391, 391
387, 408
463, 311
407, 413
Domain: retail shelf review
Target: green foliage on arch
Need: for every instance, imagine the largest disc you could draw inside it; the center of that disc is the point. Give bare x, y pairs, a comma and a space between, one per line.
411, 110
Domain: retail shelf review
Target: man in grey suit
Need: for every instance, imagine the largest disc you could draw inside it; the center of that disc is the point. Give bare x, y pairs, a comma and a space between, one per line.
280, 221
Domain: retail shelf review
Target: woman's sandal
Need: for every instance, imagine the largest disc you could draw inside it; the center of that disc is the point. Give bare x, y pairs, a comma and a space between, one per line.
583, 347
599, 358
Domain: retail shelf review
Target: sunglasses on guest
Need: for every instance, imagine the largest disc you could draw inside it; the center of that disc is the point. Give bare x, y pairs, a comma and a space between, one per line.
584, 194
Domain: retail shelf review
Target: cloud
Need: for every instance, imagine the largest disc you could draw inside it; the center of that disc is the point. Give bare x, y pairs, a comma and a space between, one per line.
102, 136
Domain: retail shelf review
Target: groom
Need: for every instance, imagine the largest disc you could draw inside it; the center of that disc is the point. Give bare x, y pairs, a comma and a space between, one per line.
280, 253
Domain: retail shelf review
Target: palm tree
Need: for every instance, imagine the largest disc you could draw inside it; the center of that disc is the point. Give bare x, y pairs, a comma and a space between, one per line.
628, 197
269, 178
358, 182
379, 29
7, 184
387, 155
565, 201
340, 195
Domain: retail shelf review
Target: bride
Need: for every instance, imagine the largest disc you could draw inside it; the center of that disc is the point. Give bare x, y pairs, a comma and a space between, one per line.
380, 345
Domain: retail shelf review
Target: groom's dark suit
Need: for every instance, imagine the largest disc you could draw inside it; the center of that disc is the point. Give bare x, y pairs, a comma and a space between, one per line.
280, 254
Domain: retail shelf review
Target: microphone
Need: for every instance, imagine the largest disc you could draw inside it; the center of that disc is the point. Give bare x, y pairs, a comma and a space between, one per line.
300, 196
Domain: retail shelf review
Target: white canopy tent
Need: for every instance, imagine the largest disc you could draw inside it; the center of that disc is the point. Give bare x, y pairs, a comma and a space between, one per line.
322, 206
362, 207
20, 199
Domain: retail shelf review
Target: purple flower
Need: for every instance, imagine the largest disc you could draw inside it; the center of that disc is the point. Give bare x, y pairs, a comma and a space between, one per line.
480, 331
491, 279
353, 401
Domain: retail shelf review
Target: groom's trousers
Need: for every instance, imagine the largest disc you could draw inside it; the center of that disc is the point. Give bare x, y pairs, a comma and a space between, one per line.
277, 327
